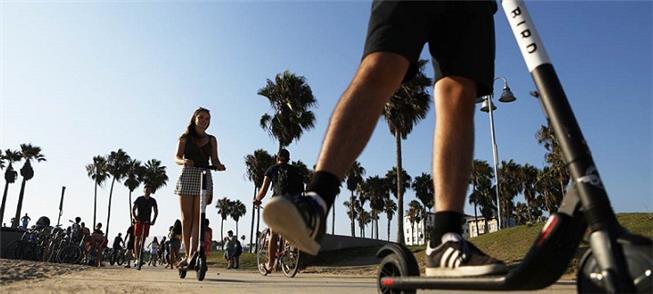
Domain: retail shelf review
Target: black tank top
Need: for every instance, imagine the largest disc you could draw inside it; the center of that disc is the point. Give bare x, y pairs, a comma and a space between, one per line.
199, 155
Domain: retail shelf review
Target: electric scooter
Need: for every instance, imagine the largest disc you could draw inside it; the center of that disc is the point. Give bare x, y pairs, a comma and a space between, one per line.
617, 261
198, 260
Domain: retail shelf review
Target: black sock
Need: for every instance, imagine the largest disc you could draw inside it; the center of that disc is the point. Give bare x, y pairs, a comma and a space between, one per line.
325, 184
445, 222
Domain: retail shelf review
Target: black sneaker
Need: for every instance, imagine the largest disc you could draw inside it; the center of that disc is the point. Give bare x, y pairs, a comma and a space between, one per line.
456, 257
301, 221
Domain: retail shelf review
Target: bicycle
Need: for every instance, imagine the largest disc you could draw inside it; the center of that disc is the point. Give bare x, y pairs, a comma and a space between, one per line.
288, 257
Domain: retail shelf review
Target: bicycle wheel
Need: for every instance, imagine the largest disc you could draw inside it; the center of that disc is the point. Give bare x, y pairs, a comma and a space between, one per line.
262, 253
120, 259
70, 254
290, 260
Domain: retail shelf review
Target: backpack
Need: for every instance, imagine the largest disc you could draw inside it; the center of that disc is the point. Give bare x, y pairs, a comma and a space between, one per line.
288, 180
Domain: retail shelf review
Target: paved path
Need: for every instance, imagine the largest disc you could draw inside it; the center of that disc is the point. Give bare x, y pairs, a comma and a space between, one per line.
149, 280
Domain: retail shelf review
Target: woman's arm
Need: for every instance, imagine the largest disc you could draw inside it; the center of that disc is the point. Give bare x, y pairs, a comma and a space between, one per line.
179, 157
214, 155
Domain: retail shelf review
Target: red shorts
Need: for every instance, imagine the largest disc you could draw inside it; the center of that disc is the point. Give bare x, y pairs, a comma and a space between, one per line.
139, 227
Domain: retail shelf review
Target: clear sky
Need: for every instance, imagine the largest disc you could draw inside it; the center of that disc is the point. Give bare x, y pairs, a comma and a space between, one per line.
81, 79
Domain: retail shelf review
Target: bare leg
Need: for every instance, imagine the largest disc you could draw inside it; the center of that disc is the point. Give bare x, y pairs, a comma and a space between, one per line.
453, 145
355, 116
272, 250
186, 204
194, 241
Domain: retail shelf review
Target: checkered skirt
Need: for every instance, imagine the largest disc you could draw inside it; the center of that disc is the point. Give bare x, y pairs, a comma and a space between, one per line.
188, 183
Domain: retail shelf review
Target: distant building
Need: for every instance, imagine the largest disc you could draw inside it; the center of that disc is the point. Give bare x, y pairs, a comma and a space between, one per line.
418, 233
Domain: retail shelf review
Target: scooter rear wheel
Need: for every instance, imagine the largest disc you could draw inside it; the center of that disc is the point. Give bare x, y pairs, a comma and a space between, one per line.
638, 252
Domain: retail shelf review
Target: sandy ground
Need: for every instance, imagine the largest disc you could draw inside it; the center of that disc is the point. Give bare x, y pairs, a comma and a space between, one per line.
36, 277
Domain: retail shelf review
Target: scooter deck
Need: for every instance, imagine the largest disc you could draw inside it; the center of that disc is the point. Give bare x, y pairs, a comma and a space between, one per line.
543, 265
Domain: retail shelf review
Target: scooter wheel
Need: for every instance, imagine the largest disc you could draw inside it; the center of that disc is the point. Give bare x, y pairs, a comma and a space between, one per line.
201, 269
182, 273
393, 265
639, 258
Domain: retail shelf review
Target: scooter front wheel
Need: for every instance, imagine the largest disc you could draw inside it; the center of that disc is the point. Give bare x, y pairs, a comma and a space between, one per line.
201, 269
394, 265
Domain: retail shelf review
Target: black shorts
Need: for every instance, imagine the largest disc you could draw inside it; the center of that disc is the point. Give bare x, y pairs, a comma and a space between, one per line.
460, 36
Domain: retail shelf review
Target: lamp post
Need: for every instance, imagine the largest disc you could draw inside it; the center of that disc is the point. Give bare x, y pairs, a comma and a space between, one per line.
489, 107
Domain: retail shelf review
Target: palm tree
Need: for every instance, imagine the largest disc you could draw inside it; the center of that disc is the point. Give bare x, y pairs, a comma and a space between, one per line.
548, 187
351, 210
510, 186
390, 208
354, 178
521, 213
528, 177
423, 187
224, 210
117, 166
97, 171
134, 175
256, 164
291, 98
415, 210
28, 152
10, 177
237, 210
554, 157
154, 175
409, 105
2, 161
377, 191
481, 176
392, 177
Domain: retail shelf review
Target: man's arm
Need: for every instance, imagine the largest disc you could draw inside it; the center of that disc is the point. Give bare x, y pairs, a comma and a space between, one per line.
134, 210
263, 190
156, 211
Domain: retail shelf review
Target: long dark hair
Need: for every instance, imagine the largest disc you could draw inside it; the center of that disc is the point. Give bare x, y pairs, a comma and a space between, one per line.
190, 129
176, 228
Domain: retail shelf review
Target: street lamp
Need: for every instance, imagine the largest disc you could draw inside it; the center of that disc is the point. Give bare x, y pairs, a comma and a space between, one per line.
489, 107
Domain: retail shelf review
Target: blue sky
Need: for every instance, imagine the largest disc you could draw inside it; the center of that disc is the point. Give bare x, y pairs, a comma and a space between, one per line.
82, 79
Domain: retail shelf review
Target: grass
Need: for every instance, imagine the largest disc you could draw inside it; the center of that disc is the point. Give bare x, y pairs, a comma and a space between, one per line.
510, 245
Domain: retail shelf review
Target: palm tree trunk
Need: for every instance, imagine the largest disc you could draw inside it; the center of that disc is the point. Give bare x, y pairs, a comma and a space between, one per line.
130, 205
333, 220
94, 206
109, 208
236, 228
4, 200
20, 203
351, 216
478, 233
251, 230
400, 196
389, 220
222, 233
258, 217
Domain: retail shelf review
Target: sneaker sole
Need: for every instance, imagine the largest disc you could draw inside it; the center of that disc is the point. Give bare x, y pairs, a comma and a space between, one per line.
282, 217
467, 271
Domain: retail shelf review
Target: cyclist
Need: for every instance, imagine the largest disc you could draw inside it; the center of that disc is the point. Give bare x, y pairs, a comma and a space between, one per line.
141, 212
174, 235
231, 242
194, 151
461, 42
286, 179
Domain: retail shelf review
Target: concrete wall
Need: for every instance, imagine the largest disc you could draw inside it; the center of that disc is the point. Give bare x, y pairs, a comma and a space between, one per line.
336, 242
